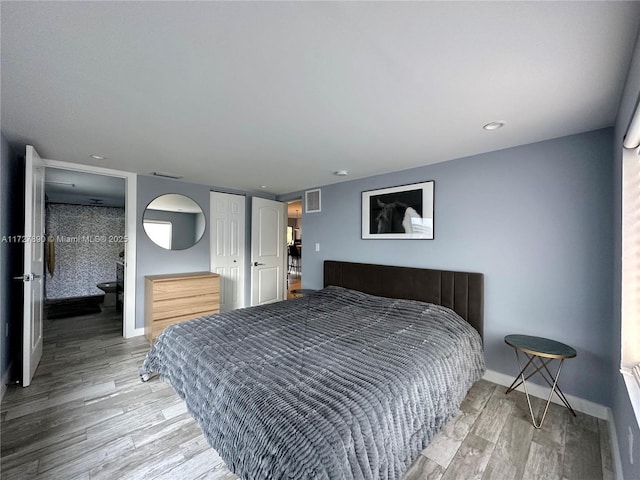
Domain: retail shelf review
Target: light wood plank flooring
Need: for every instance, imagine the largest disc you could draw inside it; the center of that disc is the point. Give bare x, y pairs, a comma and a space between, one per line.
87, 415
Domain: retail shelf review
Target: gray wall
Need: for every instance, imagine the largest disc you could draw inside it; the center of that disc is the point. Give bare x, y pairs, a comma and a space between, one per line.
536, 220
622, 410
152, 259
11, 258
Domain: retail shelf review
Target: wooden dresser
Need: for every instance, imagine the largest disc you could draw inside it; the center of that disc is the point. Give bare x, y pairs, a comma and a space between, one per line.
177, 297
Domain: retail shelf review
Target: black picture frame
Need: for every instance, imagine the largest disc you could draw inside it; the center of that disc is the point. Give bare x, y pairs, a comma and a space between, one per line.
404, 212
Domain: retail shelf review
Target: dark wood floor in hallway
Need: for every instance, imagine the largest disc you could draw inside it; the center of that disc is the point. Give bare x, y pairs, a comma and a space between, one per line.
87, 415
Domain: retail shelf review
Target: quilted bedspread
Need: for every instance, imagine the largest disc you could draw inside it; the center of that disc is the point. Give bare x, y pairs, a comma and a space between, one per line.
334, 385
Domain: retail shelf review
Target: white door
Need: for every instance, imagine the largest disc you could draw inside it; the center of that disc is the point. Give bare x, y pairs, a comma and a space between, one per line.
227, 247
268, 229
33, 264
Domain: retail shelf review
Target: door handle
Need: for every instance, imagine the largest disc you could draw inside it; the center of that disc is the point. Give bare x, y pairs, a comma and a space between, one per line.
255, 264
27, 277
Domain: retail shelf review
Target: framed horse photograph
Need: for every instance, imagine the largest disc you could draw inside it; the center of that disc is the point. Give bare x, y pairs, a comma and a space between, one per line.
404, 212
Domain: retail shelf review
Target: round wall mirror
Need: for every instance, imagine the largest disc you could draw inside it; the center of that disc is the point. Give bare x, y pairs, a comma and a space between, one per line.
174, 221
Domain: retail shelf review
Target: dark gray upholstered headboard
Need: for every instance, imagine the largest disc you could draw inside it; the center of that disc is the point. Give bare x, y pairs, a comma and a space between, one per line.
462, 292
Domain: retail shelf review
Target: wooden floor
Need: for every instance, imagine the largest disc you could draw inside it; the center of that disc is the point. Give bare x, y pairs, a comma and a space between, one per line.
87, 415
293, 282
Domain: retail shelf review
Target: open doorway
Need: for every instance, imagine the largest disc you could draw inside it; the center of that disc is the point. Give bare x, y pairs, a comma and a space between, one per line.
294, 247
85, 226
128, 276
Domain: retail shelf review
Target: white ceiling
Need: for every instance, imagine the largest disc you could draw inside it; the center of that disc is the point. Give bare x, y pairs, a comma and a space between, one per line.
243, 94
79, 188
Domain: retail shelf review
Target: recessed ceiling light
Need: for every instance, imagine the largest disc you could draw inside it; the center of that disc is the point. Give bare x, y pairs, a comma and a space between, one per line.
493, 125
341, 173
263, 186
98, 157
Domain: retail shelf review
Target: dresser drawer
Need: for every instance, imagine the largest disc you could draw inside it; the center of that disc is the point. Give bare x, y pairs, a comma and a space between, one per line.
158, 326
186, 287
178, 307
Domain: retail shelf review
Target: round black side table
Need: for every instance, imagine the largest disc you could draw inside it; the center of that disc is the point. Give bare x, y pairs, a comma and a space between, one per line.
540, 352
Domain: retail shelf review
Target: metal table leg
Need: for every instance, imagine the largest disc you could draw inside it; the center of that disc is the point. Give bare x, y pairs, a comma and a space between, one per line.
551, 380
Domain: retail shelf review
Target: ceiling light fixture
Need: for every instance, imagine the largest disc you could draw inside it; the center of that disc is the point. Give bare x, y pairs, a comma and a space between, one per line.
493, 125
263, 186
341, 173
98, 157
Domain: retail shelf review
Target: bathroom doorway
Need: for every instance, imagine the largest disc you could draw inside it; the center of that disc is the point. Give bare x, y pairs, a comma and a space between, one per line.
129, 328
85, 227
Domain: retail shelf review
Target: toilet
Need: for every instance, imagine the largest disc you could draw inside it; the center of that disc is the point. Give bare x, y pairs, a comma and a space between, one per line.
109, 289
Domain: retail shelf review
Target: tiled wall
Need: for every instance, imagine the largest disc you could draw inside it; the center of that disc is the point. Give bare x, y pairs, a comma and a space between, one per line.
88, 243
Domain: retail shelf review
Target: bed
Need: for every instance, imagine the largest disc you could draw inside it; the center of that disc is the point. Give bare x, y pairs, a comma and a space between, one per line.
349, 382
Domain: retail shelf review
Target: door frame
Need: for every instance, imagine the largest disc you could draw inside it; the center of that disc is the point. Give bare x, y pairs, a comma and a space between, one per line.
130, 198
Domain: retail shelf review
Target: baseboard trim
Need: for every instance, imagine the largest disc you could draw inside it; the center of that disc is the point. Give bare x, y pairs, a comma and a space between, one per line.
579, 404
615, 446
137, 332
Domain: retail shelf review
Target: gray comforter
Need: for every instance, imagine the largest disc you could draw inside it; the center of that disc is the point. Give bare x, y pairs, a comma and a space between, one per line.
335, 385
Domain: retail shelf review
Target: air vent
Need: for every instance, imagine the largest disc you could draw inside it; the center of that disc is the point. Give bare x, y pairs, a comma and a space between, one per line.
312, 201
166, 175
